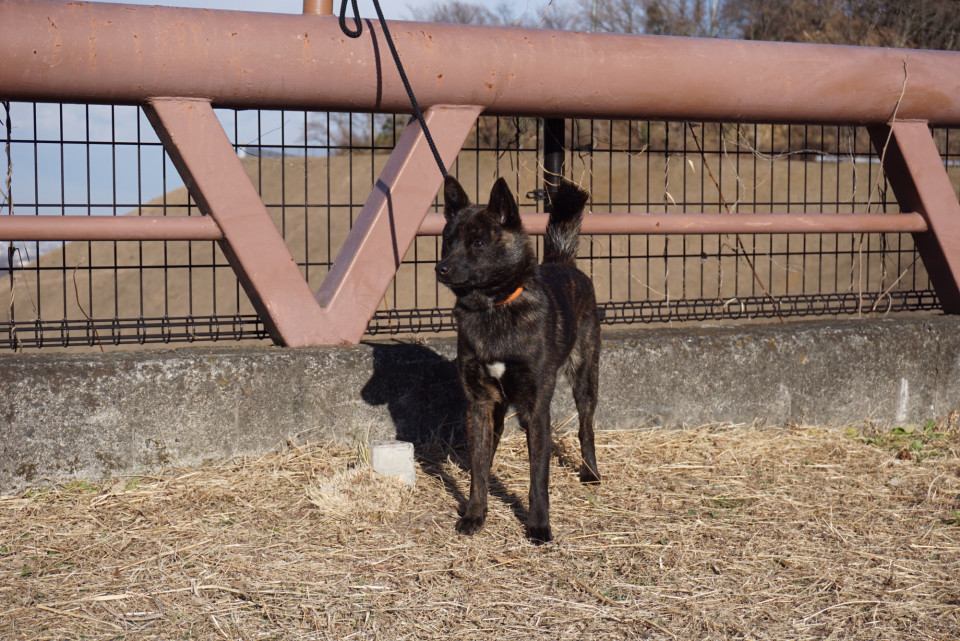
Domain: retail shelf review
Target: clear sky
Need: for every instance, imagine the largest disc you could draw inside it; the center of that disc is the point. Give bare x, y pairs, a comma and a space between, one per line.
392, 9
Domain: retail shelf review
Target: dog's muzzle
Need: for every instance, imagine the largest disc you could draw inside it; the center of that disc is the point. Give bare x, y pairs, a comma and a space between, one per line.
444, 273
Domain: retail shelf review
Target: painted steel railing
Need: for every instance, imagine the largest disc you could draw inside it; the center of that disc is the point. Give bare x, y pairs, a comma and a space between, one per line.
179, 64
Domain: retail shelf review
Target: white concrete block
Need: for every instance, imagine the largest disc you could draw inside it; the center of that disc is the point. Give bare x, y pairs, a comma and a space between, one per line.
394, 458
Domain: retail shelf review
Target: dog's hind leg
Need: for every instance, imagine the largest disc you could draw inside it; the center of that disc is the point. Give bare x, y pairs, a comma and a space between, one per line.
585, 380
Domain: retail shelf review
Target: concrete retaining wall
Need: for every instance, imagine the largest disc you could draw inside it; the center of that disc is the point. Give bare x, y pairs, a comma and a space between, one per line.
101, 415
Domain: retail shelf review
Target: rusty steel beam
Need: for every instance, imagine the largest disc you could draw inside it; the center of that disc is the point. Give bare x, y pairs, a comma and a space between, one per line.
920, 182
641, 223
95, 52
69, 228
252, 244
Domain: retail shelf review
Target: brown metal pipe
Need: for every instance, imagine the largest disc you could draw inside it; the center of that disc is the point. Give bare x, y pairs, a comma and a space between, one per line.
318, 7
108, 228
720, 223
68, 228
97, 52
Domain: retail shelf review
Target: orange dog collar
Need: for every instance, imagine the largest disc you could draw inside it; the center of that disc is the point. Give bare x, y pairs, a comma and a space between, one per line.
513, 296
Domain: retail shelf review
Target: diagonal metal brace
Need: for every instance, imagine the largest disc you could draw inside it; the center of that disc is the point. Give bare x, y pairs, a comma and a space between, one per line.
254, 247
919, 179
390, 220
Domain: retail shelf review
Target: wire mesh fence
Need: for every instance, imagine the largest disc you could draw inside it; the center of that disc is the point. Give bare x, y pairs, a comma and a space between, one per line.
314, 171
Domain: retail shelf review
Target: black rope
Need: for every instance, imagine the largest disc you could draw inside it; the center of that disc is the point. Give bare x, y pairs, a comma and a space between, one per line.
396, 58
356, 20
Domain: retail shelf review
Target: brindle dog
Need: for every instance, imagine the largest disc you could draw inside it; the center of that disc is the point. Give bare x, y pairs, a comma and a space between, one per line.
519, 325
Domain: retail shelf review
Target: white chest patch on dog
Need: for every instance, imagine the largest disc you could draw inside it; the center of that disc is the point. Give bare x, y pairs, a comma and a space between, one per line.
496, 369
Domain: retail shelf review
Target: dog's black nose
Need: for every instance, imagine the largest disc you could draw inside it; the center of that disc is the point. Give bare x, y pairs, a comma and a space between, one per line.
442, 270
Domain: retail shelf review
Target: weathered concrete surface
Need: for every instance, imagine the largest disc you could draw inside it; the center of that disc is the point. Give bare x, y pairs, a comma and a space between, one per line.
96, 416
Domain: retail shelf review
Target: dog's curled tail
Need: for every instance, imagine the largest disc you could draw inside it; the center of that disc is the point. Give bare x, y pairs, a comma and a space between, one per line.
563, 228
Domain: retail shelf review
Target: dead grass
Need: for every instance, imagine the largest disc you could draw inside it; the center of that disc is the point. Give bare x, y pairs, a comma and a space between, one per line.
713, 533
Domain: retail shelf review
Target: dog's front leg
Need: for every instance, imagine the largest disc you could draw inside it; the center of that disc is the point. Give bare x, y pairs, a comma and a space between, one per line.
536, 419
539, 445
480, 437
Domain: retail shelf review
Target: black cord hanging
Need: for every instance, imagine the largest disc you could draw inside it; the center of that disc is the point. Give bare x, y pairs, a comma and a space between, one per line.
356, 20
417, 112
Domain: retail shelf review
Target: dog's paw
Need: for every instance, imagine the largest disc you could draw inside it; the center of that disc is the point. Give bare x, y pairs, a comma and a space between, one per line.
539, 535
588, 476
470, 525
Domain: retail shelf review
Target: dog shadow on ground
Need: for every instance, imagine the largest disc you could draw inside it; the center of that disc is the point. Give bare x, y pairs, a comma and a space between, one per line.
422, 393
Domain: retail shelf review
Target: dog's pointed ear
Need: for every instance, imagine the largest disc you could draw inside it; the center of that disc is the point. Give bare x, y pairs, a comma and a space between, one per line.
454, 198
503, 205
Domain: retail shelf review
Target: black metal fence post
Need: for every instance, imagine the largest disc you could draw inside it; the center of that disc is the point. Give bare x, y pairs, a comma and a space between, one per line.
554, 151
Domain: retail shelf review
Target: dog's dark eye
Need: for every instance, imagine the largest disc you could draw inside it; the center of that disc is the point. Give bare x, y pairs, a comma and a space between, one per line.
478, 243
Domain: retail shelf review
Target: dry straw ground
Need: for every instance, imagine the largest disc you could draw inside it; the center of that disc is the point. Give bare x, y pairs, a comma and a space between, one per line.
714, 533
